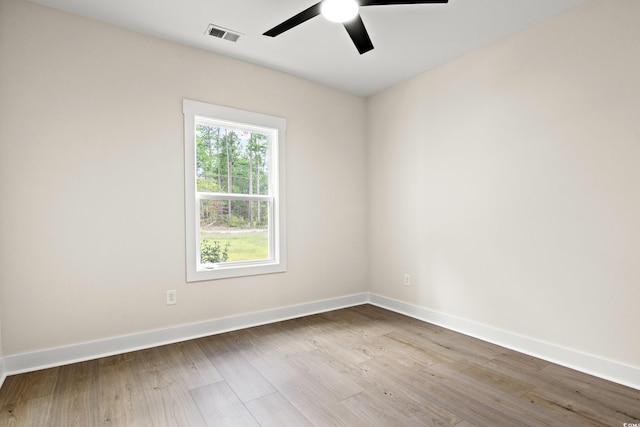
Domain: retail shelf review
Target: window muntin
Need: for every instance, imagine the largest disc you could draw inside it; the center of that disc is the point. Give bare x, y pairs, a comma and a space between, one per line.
234, 192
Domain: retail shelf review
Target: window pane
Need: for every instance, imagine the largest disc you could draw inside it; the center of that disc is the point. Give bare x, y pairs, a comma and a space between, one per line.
232, 231
231, 160
234, 192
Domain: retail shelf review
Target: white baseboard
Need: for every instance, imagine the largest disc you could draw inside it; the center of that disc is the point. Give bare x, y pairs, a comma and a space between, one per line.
613, 371
610, 370
3, 375
15, 364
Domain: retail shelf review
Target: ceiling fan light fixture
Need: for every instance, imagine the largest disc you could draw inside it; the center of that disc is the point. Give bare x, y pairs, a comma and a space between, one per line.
339, 10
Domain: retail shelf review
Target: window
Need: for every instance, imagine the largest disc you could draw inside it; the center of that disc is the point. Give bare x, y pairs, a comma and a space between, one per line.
234, 192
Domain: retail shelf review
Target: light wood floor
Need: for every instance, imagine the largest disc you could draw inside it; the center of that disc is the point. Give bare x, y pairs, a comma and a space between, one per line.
361, 366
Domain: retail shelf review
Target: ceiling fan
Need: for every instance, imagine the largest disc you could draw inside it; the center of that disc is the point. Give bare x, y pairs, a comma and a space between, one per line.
345, 12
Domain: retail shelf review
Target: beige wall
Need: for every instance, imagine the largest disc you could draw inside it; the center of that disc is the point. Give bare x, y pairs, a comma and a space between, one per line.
91, 164
508, 184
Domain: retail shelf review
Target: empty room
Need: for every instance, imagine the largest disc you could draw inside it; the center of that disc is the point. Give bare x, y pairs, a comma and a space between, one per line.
265, 213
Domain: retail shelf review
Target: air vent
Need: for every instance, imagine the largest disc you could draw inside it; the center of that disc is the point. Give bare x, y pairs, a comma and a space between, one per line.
223, 33
232, 37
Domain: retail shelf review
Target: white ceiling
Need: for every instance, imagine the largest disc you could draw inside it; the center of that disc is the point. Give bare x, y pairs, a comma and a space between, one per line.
408, 39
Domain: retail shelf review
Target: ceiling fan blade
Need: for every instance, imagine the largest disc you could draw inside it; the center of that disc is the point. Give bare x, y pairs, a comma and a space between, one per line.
392, 2
303, 16
358, 34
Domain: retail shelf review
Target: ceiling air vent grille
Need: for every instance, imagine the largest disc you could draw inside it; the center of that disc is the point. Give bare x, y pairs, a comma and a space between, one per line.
233, 37
223, 33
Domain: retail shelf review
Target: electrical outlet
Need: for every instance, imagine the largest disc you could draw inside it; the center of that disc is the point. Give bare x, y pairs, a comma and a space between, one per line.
407, 279
171, 297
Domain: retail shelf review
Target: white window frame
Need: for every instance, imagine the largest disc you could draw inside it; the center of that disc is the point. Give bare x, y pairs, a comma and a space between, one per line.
275, 127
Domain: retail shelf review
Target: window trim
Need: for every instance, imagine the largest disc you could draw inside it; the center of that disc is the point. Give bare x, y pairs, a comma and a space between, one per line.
248, 120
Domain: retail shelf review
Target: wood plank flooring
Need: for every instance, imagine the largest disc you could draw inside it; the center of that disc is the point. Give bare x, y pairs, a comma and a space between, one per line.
360, 366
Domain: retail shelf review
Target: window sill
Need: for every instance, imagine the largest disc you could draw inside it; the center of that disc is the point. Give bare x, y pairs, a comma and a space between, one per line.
220, 271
